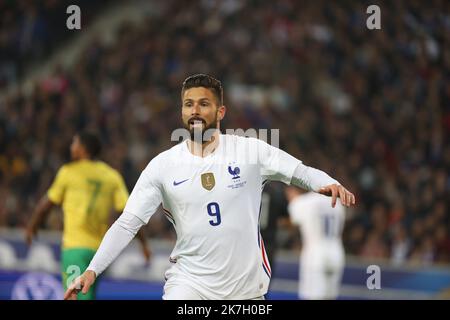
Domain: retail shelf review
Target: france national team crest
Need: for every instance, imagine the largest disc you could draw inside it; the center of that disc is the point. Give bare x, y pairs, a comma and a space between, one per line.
235, 171
208, 181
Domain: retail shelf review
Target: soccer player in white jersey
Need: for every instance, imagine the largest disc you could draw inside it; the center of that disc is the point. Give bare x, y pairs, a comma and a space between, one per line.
210, 188
322, 257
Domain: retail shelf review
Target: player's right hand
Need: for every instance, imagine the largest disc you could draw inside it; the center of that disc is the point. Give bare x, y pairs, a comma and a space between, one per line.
82, 283
337, 191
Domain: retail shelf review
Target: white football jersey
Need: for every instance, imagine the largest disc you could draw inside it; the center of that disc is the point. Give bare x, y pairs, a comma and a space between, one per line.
321, 225
214, 206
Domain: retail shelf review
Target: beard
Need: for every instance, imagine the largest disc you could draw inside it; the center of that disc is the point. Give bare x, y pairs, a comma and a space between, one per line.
203, 134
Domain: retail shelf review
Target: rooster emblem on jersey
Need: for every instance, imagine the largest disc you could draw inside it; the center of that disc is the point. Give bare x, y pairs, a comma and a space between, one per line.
234, 172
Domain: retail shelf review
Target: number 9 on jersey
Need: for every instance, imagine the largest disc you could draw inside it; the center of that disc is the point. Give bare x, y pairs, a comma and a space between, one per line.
214, 211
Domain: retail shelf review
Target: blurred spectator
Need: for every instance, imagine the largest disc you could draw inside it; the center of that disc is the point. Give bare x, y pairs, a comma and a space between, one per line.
374, 247
401, 246
31, 30
424, 253
442, 240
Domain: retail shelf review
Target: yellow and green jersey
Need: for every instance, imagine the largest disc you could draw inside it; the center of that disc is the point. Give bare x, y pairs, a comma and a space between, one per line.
87, 191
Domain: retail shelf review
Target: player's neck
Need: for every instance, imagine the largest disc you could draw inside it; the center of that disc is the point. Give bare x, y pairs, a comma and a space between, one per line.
83, 158
206, 148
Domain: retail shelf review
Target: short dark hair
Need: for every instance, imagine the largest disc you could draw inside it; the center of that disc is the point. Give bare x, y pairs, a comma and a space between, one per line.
91, 143
206, 81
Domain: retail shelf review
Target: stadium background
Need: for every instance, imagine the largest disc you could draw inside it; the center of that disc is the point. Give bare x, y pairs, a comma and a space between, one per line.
370, 107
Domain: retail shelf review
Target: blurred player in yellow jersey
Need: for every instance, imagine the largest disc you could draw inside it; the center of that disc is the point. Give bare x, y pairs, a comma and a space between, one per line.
88, 190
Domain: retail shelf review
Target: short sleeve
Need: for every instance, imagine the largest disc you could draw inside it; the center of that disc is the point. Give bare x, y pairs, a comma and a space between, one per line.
58, 187
147, 193
276, 164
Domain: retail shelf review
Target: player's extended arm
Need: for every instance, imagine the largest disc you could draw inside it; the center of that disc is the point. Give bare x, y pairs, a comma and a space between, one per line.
316, 180
146, 251
115, 240
39, 214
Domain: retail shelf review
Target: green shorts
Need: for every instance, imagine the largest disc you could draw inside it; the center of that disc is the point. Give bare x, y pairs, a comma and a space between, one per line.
73, 263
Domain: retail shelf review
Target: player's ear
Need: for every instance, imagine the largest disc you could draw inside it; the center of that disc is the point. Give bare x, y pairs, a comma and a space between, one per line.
221, 112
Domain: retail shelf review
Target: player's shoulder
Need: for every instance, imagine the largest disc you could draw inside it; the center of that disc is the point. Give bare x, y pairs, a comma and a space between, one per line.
324, 202
241, 140
68, 167
70, 170
63, 171
310, 198
165, 158
237, 138
170, 154
105, 168
315, 197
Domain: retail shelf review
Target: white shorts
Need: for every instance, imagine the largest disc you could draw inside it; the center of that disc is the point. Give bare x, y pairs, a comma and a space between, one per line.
183, 291
180, 292
321, 275
320, 284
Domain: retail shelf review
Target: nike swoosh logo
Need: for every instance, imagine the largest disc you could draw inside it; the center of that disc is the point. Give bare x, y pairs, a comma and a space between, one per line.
177, 183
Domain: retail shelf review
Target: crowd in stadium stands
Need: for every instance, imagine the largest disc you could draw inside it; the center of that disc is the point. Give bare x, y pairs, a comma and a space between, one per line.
371, 108
31, 30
